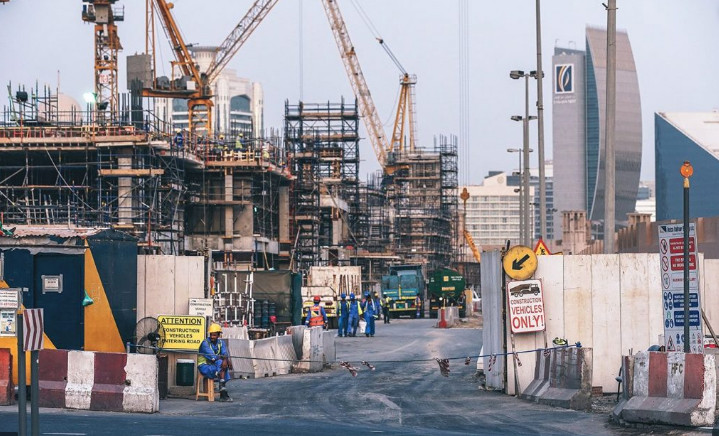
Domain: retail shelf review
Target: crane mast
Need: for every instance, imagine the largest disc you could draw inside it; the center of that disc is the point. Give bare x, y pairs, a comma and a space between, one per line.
107, 46
357, 80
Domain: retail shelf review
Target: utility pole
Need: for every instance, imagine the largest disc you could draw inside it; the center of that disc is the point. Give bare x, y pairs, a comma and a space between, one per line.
540, 132
609, 158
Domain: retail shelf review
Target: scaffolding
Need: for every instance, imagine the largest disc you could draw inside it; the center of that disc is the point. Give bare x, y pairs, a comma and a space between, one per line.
423, 191
323, 142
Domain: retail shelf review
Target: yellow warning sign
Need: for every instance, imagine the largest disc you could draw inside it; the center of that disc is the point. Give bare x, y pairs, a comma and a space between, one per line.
520, 262
541, 248
183, 332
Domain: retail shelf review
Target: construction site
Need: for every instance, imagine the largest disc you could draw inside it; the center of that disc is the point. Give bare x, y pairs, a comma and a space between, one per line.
245, 197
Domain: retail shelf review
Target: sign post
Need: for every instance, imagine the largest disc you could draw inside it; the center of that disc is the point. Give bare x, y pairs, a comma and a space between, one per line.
34, 341
674, 280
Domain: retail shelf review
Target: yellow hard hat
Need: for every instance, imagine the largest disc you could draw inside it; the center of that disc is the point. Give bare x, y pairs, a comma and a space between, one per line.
214, 328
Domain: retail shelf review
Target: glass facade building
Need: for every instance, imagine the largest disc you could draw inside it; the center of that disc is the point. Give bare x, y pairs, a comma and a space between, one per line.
679, 137
579, 110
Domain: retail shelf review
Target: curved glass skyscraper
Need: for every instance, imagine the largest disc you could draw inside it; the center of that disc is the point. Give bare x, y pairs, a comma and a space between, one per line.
579, 110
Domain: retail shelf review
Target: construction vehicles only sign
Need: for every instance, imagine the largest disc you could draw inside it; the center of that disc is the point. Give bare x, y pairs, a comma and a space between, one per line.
526, 306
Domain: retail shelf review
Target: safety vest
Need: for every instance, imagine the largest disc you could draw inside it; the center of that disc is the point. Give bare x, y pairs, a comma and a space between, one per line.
316, 318
201, 359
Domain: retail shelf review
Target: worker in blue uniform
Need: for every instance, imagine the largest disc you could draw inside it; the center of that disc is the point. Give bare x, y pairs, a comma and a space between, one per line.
213, 360
369, 309
355, 311
343, 308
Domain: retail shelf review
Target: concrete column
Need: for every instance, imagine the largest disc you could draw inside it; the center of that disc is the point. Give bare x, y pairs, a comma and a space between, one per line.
284, 213
124, 192
229, 212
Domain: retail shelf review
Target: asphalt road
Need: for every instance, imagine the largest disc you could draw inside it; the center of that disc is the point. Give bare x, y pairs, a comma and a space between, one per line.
404, 395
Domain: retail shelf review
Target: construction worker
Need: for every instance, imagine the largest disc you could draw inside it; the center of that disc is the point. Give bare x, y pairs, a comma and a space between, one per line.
386, 303
316, 316
377, 304
418, 305
355, 311
238, 143
343, 312
213, 361
368, 307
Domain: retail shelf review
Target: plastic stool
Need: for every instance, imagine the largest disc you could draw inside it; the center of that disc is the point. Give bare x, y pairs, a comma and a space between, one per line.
209, 388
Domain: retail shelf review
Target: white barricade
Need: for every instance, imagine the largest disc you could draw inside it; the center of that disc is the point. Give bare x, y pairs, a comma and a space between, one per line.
141, 393
242, 365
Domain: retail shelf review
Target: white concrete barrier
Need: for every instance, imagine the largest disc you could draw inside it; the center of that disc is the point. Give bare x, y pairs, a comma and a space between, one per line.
80, 379
241, 358
312, 359
236, 332
671, 388
141, 393
284, 351
329, 349
263, 357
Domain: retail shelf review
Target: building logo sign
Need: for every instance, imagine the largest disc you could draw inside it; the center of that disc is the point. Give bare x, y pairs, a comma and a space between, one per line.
564, 79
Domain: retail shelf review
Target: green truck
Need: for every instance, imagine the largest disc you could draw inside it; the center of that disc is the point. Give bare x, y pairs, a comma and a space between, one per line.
403, 284
446, 288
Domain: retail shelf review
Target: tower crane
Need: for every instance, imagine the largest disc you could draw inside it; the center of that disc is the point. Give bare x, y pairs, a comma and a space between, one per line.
188, 82
107, 46
405, 117
467, 236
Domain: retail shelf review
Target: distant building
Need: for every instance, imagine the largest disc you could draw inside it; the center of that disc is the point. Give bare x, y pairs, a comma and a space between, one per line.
680, 137
646, 201
493, 211
515, 180
579, 108
238, 102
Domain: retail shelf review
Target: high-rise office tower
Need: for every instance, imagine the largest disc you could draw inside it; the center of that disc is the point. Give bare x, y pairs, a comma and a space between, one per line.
578, 119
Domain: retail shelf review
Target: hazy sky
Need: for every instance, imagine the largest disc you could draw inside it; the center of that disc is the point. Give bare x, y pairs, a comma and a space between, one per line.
674, 45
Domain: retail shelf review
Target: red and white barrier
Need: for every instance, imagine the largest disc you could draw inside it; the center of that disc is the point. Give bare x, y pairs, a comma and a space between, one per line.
6, 385
87, 380
672, 388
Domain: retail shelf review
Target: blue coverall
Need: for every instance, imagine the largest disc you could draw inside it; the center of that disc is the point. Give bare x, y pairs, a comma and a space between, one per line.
343, 312
368, 306
355, 312
210, 359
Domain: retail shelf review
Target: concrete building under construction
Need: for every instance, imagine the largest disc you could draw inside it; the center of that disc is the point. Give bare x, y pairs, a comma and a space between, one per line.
287, 202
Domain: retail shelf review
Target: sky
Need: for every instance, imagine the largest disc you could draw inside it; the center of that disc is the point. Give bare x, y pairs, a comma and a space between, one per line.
673, 42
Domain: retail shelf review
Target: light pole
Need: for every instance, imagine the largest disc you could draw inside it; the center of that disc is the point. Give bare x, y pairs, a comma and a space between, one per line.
523, 221
516, 74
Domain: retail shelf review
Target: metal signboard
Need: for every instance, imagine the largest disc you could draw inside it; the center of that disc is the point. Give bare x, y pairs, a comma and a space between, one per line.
200, 306
33, 329
8, 322
671, 268
10, 298
183, 332
526, 306
520, 262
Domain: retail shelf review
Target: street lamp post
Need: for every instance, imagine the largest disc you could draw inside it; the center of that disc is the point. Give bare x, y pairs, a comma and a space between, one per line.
524, 223
516, 74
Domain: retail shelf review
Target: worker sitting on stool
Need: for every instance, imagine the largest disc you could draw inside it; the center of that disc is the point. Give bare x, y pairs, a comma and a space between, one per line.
213, 361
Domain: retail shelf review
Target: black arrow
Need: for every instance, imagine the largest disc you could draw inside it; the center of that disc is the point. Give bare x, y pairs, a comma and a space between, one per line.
517, 264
